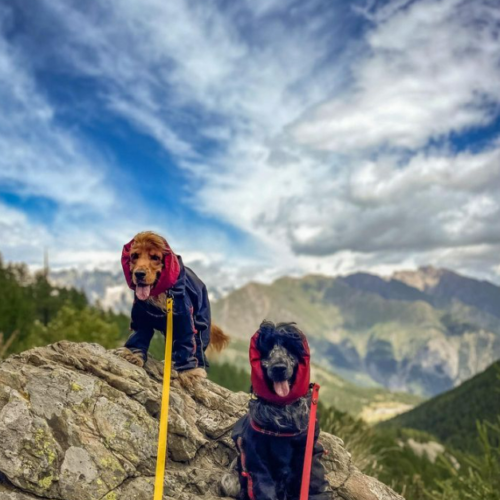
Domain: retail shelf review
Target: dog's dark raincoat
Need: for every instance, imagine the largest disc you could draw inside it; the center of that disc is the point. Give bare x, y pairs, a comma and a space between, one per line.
270, 463
191, 313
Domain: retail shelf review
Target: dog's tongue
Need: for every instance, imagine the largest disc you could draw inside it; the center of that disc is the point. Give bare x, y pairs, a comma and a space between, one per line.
282, 388
143, 292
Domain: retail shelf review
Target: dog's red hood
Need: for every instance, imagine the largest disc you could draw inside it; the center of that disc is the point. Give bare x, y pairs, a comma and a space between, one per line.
169, 274
261, 388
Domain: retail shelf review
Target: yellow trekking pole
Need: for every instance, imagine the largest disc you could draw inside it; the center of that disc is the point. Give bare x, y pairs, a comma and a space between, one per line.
165, 397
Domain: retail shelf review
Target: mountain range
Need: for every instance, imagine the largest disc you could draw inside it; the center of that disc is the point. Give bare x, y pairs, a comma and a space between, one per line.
109, 289
422, 332
371, 404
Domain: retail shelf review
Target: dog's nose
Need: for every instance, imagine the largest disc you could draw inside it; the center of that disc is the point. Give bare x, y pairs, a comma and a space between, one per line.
279, 369
140, 275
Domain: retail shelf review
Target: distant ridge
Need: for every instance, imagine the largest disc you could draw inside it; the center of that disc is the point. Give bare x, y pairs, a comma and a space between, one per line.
448, 285
392, 289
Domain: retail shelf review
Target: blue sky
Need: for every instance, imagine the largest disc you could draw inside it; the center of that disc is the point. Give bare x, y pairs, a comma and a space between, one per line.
260, 137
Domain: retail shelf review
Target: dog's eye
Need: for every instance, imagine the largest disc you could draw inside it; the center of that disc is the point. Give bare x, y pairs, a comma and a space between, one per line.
155, 257
135, 255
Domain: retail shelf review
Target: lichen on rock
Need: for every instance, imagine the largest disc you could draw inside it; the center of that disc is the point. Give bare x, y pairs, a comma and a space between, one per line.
78, 422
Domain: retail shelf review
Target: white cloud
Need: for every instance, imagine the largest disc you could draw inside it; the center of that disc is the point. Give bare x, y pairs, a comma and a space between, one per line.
38, 157
351, 209
328, 178
184, 57
43, 161
431, 68
69, 245
20, 238
157, 70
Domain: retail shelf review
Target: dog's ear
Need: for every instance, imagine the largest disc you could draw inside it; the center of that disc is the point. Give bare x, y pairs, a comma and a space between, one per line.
295, 345
266, 339
293, 339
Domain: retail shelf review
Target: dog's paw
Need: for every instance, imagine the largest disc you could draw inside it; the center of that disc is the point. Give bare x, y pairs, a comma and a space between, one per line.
131, 357
189, 378
230, 485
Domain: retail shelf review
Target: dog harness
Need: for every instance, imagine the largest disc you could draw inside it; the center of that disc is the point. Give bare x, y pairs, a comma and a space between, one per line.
257, 428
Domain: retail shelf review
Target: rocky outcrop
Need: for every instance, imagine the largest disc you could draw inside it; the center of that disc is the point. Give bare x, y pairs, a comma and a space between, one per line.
79, 423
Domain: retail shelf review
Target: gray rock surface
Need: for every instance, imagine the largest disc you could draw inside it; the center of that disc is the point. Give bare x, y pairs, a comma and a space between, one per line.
79, 423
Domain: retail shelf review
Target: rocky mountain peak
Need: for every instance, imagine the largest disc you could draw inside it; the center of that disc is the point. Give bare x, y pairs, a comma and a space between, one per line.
425, 278
79, 423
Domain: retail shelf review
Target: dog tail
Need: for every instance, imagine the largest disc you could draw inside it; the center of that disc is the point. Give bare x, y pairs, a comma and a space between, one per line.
218, 339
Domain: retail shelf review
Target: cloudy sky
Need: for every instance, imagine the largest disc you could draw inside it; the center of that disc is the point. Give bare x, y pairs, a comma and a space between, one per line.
261, 137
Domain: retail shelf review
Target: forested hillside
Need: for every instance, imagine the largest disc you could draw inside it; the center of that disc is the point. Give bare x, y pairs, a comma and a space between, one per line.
33, 312
453, 416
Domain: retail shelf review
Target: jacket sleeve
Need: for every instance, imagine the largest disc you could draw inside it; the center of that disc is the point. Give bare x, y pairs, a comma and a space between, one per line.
142, 332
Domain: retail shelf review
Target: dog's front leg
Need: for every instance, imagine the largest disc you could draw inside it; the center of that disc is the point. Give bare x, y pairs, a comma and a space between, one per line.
132, 357
319, 488
189, 378
260, 484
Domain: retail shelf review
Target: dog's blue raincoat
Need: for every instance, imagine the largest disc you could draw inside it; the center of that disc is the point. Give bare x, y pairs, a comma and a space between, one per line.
191, 322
